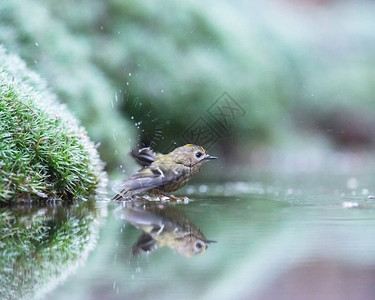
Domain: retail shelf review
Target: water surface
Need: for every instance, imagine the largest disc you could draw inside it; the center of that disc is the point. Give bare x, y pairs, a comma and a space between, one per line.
273, 241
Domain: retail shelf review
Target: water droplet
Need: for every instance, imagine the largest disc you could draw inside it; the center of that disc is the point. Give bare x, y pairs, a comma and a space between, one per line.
162, 91
352, 183
349, 204
127, 83
203, 188
190, 190
130, 74
36, 44
132, 117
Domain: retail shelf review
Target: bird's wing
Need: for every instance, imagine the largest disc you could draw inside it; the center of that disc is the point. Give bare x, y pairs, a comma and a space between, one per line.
145, 243
150, 177
144, 156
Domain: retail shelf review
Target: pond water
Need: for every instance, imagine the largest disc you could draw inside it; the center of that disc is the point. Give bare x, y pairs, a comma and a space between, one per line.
265, 239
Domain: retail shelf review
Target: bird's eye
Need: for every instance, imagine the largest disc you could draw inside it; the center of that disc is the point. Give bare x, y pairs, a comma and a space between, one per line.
198, 154
198, 245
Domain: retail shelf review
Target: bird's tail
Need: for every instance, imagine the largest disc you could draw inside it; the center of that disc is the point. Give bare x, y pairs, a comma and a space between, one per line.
118, 197
122, 191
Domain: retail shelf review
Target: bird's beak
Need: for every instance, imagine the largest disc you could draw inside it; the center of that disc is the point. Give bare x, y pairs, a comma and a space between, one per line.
209, 157
210, 242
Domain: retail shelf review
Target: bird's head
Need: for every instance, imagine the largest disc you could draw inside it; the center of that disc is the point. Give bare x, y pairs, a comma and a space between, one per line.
192, 155
191, 245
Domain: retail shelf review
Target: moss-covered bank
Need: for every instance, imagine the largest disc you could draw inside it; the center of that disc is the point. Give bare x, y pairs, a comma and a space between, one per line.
44, 152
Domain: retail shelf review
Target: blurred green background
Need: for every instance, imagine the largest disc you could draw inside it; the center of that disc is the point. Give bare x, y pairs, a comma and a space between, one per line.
265, 85
140, 73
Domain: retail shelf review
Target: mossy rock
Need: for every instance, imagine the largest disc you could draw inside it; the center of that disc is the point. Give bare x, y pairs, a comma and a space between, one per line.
44, 153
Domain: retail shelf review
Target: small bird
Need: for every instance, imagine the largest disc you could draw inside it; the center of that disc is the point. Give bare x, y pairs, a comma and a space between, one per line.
164, 226
163, 173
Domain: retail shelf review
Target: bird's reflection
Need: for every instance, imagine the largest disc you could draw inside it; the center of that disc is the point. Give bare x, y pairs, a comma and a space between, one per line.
164, 226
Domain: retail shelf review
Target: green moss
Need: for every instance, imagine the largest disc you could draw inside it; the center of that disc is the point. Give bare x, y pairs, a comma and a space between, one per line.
43, 151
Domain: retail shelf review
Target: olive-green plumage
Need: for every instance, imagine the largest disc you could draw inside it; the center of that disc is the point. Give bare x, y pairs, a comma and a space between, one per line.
163, 173
164, 226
